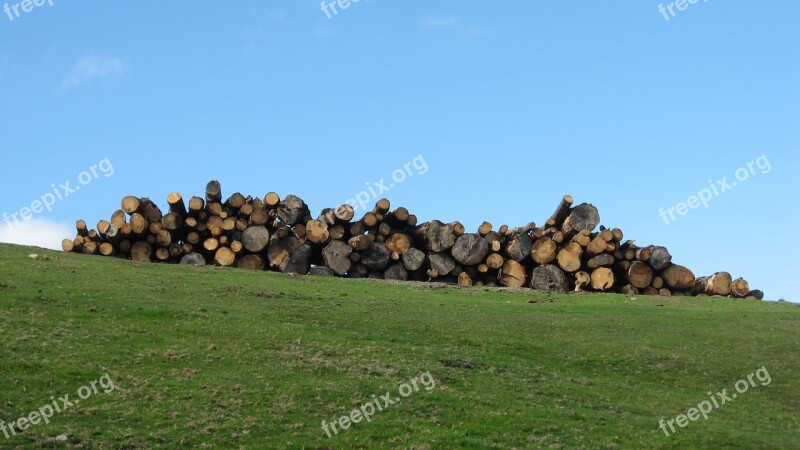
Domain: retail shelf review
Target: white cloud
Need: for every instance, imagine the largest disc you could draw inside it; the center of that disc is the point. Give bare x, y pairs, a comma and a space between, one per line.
438, 21
36, 232
90, 67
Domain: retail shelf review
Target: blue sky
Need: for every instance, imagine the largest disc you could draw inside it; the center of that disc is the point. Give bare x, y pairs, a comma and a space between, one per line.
510, 104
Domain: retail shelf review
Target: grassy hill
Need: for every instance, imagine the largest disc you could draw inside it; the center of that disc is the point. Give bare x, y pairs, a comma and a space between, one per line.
224, 358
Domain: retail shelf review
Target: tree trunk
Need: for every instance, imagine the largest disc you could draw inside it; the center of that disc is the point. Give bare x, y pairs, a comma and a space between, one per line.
582, 279
544, 250
495, 261
255, 239
602, 260
639, 274
740, 288
512, 274
213, 192
130, 204
561, 213
470, 249
569, 257
292, 210
317, 232
289, 254
441, 263
193, 259
678, 277
435, 236
549, 278
582, 217
519, 247
660, 258
719, 284
337, 257
413, 259
396, 272
603, 279
376, 256
141, 251
250, 262
176, 204
398, 243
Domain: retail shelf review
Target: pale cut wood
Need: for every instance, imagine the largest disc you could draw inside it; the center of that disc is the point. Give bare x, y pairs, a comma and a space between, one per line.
740, 287
602, 279
512, 274
639, 274
719, 284
224, 257
569, 257
582, 279
543, 250
678, 277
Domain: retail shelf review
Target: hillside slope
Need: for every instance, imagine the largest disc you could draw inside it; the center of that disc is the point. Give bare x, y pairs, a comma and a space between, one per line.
223, 358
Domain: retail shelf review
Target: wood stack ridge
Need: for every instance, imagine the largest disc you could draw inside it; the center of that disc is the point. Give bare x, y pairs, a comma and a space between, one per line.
564, 254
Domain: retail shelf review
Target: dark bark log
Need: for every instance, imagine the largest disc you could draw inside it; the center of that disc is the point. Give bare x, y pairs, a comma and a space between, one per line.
413, 259
376, 256
660, 258
193, 259
603, 260
337, 257
321, 271
213, 192
396, 272
441, 263
292, 210
519, 247
561, 212
470, 249
436, 236
582, 217
549, 278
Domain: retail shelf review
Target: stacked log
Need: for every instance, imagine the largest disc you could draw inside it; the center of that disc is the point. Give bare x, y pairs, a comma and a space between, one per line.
567, 253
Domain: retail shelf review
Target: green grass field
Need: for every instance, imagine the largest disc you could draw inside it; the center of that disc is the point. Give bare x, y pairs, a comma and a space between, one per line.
225, 358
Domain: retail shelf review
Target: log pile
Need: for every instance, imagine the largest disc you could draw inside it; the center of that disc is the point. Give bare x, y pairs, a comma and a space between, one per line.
568, 252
